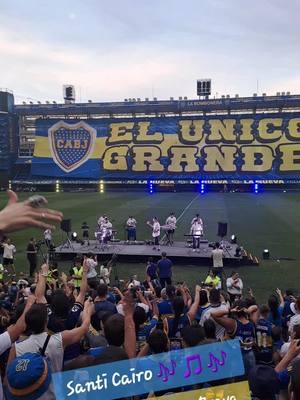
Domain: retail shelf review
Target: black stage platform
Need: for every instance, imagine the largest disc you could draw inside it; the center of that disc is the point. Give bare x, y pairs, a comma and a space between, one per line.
180, 252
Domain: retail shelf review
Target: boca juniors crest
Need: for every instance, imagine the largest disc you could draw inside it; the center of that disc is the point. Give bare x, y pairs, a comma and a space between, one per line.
71, 145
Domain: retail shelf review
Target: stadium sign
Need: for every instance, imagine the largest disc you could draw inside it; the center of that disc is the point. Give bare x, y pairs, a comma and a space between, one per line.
264, 146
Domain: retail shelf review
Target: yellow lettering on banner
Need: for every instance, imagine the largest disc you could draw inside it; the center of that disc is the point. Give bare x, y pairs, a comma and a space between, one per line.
77, 144
290, 157
144, 136
146, 158
60, 144
220, 158
231, 391
246, 135
269, 130
114, 158
120, 132
221, 131
183, 159
257, 158
191, 132
294, 129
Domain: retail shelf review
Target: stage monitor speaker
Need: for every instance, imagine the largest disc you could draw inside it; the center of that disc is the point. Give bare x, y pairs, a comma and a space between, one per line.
222, 229
65, 225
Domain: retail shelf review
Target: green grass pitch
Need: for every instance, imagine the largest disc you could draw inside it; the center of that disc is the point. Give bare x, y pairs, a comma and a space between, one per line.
266, 220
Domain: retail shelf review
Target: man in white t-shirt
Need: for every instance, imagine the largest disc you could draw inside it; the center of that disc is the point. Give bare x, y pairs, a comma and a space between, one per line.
155, 232
92, 263
197, 232
8, 255
217, 256
234, 286
171, 226
131, 228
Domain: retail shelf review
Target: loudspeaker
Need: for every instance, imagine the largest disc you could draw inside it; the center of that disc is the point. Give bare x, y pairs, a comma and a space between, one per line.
222, 229
65, 225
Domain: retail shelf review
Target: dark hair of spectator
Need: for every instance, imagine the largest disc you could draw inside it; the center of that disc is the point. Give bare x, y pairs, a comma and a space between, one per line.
273, 303
203, 298
36, 318
193, 335
102, 290
178, 307
214, 296
139, 317
114, 330
158, 341
209, 329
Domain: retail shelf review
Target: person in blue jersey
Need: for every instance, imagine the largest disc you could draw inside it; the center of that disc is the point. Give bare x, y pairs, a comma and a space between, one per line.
276, 304
143, 324
264, 341
174, 324
165, 304
239, 326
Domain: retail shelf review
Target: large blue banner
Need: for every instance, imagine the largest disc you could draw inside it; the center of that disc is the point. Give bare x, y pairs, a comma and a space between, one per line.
248, 146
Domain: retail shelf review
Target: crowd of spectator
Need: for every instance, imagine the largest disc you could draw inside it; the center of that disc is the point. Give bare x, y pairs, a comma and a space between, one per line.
87, 318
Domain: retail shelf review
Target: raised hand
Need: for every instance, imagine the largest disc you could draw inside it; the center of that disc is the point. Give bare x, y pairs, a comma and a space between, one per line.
20, 215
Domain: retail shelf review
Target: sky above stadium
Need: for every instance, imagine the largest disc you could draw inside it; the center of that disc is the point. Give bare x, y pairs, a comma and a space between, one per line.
111, 50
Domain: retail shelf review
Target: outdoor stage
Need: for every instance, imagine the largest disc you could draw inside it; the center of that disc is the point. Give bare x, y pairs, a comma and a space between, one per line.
180, 252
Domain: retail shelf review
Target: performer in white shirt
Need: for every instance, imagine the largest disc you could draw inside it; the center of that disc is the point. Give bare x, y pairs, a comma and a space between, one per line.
171, 226
131, 228
195, 219
9, 251
106, 230
101, 220
197, 232
48, 237
155, 232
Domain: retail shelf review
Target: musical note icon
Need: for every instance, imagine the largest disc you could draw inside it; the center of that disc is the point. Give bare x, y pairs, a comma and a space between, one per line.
214, 362
189, 360
165, 372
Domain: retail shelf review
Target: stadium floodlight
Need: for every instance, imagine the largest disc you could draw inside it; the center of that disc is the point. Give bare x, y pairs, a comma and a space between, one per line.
233, 239
266, 254
69, 93
203, 87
